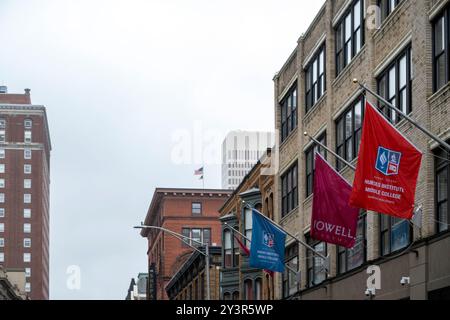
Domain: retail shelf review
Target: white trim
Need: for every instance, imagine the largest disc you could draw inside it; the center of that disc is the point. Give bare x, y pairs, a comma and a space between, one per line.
436, 9
347, 103
288, 87
316, 136
314, 50
393, 55
341, 12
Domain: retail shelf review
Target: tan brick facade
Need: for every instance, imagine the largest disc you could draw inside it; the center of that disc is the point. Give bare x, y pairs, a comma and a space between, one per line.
409, 24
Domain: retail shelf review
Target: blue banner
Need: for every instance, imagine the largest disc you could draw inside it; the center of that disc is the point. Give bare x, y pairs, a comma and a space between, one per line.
268, 243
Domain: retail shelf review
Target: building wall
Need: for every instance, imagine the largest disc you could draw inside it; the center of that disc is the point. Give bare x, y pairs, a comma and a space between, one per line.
14, 194
173, 211
409, 23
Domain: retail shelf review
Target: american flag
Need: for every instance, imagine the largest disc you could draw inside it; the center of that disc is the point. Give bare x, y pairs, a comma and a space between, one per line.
199, 172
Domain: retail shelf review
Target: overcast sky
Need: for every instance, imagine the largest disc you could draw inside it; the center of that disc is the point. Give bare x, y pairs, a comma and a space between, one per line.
127, 85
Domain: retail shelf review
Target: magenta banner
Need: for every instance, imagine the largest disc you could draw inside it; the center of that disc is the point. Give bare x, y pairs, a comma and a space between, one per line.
333, 220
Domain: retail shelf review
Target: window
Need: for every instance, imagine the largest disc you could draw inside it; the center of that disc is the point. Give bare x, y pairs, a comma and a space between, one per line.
228, 249
2, 212
27, 183
27, 169
28, 287
2, 168
441, 55
349, 35
2, 153
196, 208
248, 290
27, 154
2, 242
348, 132
27, 272
27, 243
387, 7
2, 198
27, 228
2, 257
289, 190
2, 124
290, 280
186, 235
2, 136
27, 257
207, 236
310, 163
394, 84
442, 191
316, 271
27, 136
197, 234
395, 234
349, 259
315, 79
2, 227
289, 113
27, 213
27, 198
2, 183
28, 124
258, 289
248, 225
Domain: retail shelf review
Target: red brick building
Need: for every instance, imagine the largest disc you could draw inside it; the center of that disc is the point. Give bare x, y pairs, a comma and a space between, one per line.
191, 212
24, 190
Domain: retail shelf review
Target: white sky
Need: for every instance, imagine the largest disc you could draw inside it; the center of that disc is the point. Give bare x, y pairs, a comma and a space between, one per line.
119, 80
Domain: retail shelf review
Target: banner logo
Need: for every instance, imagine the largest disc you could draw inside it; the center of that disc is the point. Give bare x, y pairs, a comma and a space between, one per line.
388, 161
268, 239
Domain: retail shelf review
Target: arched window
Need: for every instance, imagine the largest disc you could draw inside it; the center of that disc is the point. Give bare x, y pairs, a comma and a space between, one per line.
228, 249
236, 295
248, 290
258, 289
226, 296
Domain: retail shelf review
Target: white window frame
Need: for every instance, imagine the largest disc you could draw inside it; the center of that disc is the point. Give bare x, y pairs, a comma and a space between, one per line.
27, 154
2, 135
27, 243
27, 183
27, 198
2, 183
27, 136
2, 227
2, 242
28, 123
2, 168
27, 169
2, 212
27, 228
2, 153
27, 257
2, 257
27, 272
27, 213
2, 198
28, 287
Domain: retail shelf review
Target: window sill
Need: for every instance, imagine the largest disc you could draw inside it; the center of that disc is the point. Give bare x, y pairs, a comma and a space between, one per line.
387, 21
289, 214
347, 68
314, 107
438, 94
289, 138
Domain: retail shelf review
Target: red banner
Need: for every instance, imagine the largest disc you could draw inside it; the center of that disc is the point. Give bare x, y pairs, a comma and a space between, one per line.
388, 167
333, 220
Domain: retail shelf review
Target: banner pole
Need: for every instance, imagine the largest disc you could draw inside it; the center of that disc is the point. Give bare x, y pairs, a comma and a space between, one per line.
246, 238
331, 151
404, 115
326, 259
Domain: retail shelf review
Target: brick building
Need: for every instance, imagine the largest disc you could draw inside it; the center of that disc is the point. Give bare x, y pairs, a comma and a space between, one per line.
239, 281
189, 283
400, 49
24, 190
191, 212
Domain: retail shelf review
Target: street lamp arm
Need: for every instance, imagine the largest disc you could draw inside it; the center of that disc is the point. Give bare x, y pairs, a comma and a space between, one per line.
176, 235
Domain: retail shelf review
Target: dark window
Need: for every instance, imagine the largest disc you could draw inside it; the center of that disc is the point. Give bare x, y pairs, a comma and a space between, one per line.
248, 290
227, 296
387, 7
441, 55
289, 113
316, 272
349, 35
349, 259
207, 236
442, 191
395, 234
311, 164
236, 296
196, 208
290, 280
394, 84
186, 235
289, 194
315, 79
348, 132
